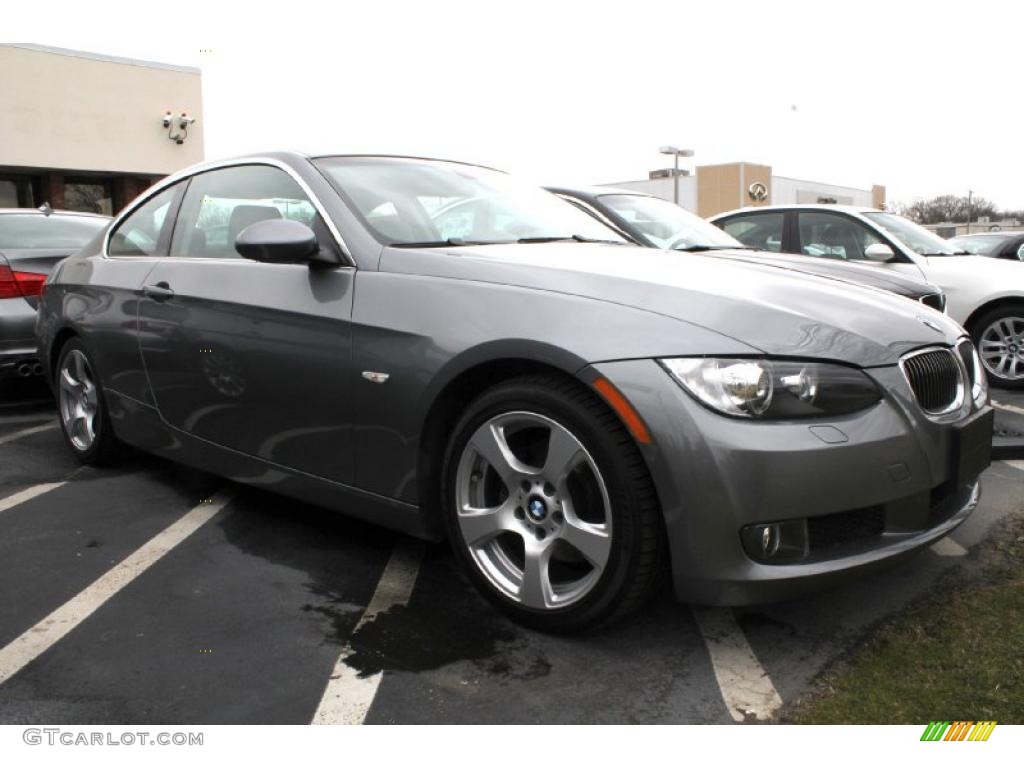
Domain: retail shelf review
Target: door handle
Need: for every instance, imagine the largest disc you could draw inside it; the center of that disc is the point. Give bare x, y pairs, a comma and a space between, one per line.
159, 292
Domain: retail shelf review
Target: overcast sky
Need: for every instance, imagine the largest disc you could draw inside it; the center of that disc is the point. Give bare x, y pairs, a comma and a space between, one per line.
921, 97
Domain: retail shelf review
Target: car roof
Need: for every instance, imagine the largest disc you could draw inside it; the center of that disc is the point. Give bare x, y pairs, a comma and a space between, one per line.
592, 191
325, 155
37, 212
290, 157
800, 207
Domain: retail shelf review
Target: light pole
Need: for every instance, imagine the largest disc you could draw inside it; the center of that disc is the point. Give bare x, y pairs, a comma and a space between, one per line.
676, 154
970, 201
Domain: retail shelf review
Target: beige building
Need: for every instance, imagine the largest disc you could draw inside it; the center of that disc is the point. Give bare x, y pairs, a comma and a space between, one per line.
82, 131
717, 188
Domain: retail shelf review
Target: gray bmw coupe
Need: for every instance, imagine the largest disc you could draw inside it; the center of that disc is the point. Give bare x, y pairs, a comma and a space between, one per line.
576, 415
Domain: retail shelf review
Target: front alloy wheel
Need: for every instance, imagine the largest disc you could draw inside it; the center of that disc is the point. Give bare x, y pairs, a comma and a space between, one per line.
1000, 343
549, 505
533, 510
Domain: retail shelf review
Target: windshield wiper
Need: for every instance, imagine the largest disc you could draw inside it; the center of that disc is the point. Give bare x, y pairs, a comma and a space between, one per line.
566, 239
458, 241
451, 241
696, 248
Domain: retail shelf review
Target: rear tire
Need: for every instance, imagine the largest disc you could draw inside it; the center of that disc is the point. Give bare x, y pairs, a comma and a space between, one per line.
999, 337
565, 532
81, 404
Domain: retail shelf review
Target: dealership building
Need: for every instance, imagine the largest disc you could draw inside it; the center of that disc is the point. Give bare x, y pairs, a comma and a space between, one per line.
86, 132
713, 189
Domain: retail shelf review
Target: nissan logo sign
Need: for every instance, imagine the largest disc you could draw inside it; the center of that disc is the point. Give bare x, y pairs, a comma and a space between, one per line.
758, 191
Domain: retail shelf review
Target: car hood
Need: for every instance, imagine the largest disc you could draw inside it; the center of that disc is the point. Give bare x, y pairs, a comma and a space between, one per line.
779, 312
981, 267
863, 274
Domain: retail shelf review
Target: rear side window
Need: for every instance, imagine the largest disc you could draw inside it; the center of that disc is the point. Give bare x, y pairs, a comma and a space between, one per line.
220, 204
762, 231
139, 234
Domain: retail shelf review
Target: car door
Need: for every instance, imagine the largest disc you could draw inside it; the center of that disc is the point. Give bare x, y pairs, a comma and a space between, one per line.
835, 235
252, 356
829, 235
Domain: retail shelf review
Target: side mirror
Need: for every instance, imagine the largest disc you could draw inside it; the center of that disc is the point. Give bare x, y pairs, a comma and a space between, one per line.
878, 252
277, 241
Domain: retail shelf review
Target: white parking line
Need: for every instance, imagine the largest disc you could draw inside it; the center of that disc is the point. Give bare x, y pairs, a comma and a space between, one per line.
745, 686
1008, 407
33, 642
348, 697
29, 493
25, 418
1016, 464
948, 548
26, 432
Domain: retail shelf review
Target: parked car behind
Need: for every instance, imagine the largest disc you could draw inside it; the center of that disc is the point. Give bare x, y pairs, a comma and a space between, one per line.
31, 242
999, 245
655, 223
574, 416
984, 295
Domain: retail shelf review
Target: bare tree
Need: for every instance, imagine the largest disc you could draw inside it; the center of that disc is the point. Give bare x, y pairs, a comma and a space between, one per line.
948, 208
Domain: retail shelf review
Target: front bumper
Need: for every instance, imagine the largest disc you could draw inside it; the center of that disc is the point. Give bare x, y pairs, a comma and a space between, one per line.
873, 487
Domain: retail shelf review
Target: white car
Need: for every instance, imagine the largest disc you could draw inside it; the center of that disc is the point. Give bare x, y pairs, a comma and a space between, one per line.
983, 294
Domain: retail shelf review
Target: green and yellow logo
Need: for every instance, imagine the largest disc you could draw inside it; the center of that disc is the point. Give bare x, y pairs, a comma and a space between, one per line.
958, 730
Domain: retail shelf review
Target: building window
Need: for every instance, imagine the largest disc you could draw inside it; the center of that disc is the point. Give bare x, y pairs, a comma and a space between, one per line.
17, 191
8, 194
88, 195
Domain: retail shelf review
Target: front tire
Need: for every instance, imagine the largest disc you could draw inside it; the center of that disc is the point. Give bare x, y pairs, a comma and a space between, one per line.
999, 338
549, 506
84, 418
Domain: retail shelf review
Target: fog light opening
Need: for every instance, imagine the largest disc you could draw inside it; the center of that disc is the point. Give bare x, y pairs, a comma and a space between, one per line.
784, 541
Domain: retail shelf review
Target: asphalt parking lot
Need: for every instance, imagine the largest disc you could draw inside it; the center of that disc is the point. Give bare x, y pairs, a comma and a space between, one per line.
152, 593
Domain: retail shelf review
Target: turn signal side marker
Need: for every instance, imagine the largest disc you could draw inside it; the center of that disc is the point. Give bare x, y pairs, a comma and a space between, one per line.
621, 406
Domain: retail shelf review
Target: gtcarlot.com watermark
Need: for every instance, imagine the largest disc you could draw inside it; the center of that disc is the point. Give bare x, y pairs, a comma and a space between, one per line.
75, 738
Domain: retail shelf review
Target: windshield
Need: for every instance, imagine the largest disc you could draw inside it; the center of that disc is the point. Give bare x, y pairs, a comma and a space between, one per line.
665, 224
35, 231
425, 203
914, 236
983, 245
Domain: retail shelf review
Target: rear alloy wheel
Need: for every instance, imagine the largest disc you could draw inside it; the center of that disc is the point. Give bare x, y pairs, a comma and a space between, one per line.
1000, 343
551, 507
83, 415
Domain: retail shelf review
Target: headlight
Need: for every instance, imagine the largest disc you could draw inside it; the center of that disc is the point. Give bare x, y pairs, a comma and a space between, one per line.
773, 389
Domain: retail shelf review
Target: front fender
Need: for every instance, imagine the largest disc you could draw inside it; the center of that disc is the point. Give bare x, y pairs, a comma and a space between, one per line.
398, 330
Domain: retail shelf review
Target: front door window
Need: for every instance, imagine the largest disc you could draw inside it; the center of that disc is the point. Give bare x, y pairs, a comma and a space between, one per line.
834, 236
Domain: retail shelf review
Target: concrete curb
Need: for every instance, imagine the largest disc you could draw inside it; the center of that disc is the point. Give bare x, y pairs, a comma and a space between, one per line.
1007, 448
